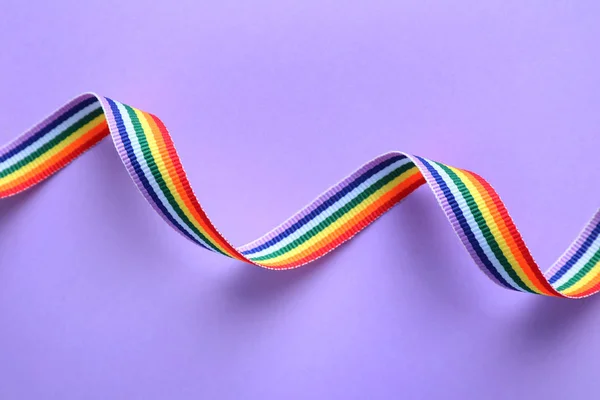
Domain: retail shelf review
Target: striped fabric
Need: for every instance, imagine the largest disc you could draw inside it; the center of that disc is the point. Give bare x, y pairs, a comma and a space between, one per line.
472, 206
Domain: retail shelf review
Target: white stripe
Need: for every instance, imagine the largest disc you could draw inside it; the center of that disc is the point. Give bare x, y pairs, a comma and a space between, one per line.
148, 174
49, 136
474, 226
347, 198
578, 266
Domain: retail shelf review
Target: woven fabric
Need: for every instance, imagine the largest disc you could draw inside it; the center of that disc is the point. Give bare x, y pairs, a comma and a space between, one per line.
472, 206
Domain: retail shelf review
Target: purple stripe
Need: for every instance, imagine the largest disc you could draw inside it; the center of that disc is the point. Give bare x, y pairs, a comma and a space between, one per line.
47, 121
318, 201
116, 138
443, 202
575, 246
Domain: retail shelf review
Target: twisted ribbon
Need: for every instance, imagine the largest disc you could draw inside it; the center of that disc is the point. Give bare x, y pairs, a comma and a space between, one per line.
472, 206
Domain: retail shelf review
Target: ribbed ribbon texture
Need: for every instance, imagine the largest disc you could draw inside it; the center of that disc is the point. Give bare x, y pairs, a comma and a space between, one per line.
472, 206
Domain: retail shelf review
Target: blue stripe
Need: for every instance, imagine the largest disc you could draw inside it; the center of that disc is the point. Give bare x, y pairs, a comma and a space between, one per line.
140, 173
464, 224
326, 204
578, 254
62, 118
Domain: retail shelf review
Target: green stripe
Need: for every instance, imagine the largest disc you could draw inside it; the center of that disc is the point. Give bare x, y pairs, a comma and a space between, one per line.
147, 154
51, 144
485, 230
364, 195
582, 272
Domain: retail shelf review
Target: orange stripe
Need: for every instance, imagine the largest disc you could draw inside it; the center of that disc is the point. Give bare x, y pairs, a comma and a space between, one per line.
539, 280
514, 232
357, 223
58, 161
590, 287
175, 170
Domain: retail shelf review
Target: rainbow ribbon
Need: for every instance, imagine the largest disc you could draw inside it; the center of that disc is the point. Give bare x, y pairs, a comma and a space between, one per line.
472, 206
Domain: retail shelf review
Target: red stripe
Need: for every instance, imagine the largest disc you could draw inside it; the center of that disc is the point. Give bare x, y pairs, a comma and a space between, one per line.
361, 224
60, 160
531, 264
174, 158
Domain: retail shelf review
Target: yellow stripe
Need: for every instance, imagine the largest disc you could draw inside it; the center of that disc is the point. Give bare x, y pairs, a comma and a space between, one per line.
583, 281
16, 175
491, 223
343, 220
158, 159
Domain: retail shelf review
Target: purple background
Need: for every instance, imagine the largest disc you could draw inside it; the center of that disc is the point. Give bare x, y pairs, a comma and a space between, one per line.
269, 103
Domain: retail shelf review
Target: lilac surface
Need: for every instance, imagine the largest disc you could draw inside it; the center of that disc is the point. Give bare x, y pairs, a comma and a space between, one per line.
270, 103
